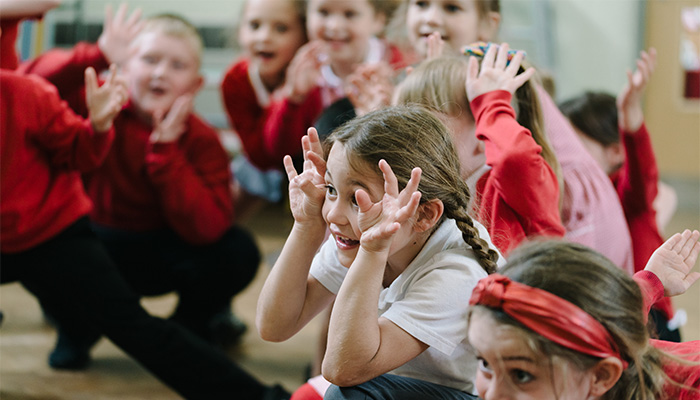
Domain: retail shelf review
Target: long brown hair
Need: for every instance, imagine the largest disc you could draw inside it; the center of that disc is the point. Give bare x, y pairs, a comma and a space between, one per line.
408, 137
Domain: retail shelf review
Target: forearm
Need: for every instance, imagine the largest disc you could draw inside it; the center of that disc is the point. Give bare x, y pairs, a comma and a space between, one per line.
354, 335
286, 303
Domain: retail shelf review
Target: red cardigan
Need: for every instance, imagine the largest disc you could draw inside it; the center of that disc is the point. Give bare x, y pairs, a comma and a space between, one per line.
142, 186
689, 375
519, 196
636, 184
43, 146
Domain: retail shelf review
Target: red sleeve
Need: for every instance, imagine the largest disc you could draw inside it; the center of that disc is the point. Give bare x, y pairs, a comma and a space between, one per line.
8, 52
287, 124
687, 374
68, 138
637, 182
523, 178
246, 116
65, 68
192, 179
651, 287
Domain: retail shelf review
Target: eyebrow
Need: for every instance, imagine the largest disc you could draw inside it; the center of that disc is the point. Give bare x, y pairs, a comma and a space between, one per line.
519, 358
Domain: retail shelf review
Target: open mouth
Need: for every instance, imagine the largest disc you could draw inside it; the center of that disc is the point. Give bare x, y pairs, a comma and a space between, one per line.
158, 91
266, 55
345, 243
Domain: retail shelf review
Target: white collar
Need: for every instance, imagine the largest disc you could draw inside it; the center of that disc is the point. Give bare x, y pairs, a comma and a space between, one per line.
261, 92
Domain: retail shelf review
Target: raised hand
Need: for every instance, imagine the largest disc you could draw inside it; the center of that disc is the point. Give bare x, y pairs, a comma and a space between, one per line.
307, 190
380, 221
436, 46
370, 87
118, 33
303, 72
629, 100
674, 260
495, 73
104, 102
169, 128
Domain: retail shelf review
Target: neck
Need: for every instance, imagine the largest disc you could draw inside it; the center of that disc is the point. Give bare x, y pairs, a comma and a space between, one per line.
272, 81
399, 261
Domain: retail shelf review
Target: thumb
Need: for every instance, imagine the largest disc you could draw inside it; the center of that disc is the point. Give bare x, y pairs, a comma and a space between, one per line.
90, 81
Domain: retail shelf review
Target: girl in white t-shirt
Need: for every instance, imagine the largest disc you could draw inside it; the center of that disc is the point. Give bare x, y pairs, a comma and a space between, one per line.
401, 261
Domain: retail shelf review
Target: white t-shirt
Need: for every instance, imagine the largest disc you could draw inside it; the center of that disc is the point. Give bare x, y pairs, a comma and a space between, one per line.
429, 300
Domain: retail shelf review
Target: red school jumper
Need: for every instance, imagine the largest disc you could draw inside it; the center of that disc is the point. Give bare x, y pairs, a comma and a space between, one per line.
143, 186
519, 196
636, 184
43, 146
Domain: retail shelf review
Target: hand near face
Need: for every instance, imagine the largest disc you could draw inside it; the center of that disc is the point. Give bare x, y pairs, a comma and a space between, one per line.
104, 102
380, 221
168, 128
496, 73
307, 190
118, 33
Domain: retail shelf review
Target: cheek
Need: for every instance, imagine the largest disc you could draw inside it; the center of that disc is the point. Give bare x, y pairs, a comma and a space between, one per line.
481, 384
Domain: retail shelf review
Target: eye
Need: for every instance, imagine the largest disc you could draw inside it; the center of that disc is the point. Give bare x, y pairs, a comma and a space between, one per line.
254, 25
149, 59
519, 376
350, 14
420, 4
484, 366
452, 8
281, 28
331, 192
323, 12
179, 65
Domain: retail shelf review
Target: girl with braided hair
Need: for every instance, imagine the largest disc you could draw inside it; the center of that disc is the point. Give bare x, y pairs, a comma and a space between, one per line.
401, 260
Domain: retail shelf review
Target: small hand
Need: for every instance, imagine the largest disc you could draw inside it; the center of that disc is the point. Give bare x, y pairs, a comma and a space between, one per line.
169, 128
370, 87
629, 101
379, 221
307, 191
304, 71
496, 73
673, 261
104, 103
436, 46
118, 33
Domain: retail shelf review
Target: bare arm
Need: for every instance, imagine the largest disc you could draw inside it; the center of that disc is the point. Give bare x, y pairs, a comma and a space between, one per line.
11, 9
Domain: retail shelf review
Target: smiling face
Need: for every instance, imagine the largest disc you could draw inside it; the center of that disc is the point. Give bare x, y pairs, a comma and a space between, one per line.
162, 68
340, 210
510, 369
345, 26
271, 32
457, 21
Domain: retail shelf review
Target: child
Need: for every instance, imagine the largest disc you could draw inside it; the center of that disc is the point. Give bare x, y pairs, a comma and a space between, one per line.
271, 31
343, 35
47, 244
510, 167
401, 242
601, 121
161, 199
564, 322
590, 211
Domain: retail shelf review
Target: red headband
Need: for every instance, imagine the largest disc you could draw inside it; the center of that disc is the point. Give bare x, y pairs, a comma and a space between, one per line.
548, 315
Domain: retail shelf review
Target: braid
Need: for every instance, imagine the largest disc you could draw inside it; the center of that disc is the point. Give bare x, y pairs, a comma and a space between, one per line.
486, 256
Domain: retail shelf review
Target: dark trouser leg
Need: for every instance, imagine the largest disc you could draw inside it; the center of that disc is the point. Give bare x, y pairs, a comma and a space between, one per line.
394, 387
76, 277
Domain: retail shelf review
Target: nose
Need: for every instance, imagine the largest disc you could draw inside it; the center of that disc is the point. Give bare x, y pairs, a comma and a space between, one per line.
336, 213
160, 68
335, 22
497, 390
433, 15
263, 33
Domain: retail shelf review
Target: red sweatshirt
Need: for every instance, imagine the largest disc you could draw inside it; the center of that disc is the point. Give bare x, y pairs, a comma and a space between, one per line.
142, 186
519, 196
43, 145
636, 184
689, 375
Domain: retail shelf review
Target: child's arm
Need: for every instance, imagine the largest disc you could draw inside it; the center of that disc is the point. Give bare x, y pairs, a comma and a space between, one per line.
524, 180
669, 270
360, 345
290, 297
16, 9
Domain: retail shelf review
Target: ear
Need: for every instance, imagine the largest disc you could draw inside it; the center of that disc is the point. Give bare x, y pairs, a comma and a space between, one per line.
429, 214
197, 85
488, 26
605, 375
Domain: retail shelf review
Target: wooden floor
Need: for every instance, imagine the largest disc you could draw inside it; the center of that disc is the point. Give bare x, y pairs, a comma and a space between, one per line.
26, 340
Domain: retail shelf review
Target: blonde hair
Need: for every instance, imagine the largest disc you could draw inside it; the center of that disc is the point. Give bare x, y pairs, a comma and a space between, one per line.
439, 85
587, 279
174, 26
408, 137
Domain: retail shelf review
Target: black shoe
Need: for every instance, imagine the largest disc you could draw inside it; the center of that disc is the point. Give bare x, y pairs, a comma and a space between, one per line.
225, 329
276, 392
70, 355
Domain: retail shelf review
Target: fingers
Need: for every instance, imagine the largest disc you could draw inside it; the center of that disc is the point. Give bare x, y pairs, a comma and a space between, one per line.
472, 69
289, 168
501, 57
90, 80
391, 184
314, 141
121, 12
109, 12
524, 77
364, 203
489, 57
